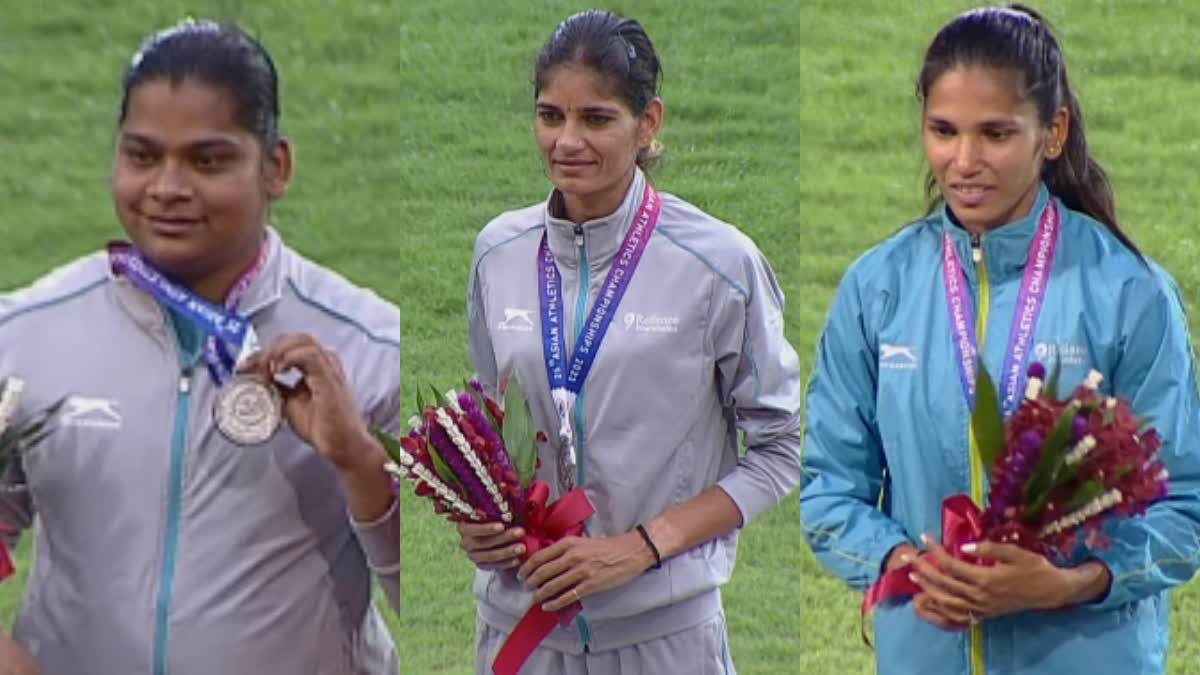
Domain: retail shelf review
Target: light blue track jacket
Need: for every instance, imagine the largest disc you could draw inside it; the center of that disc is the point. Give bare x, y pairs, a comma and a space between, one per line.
888, 428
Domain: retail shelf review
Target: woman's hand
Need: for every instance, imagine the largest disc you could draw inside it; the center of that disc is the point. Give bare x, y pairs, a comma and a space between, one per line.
492, 547
14, 660
320, 407
575, 567
958, 593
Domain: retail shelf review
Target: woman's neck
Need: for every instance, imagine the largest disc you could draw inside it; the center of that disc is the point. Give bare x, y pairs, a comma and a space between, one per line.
216, 285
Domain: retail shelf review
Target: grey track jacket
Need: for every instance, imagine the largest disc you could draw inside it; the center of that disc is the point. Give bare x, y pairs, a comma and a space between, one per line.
695, 353
162, 548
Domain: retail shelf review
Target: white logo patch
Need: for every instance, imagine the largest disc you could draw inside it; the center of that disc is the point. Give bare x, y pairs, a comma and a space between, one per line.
897, 357
651, 323
516, 319
94, 413
1066, 353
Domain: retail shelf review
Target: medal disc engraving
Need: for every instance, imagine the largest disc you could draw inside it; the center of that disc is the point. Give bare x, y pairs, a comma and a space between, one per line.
248, 411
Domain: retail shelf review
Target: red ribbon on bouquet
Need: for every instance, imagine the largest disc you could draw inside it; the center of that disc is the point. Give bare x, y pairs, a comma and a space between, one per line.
6, 563
962, 522
543, 526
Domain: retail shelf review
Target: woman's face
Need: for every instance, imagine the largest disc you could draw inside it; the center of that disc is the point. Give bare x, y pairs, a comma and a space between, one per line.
190, 185
588, 137
986, 145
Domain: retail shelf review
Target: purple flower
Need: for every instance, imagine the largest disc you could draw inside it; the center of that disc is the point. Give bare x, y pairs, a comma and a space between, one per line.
1037, 370
1079, 427
477, 494
480, 424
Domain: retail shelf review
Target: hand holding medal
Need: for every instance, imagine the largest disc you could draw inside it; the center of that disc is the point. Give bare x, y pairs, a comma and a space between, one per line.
318, 406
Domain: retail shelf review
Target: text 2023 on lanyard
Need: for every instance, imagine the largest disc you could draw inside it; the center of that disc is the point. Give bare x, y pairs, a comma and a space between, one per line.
1038, 263
248, 410
566, 378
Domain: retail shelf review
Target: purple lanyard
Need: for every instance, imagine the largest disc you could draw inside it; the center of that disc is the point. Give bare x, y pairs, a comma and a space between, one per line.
224, 328
1034, 280
566, 378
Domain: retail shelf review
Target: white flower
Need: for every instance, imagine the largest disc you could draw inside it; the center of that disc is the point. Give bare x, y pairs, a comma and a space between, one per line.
13, 388
468, 453
1081, 449
1033, 388
1093, 380
452, 402
1089, 510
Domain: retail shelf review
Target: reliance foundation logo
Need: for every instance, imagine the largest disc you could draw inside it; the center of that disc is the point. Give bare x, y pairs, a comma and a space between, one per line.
651, 323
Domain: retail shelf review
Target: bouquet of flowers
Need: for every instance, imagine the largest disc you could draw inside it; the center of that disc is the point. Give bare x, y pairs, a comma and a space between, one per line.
475, 458
1059, 468
14, 438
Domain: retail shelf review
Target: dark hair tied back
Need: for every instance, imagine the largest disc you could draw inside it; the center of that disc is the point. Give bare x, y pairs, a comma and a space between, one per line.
218, 54
1016, 38
615, 47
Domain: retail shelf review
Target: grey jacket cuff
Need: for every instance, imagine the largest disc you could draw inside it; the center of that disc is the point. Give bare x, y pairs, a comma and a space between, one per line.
747, 495
380, 539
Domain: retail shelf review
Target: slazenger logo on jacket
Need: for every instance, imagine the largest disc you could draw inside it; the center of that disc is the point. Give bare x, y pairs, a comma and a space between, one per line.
897, 357
95, 413
517, 319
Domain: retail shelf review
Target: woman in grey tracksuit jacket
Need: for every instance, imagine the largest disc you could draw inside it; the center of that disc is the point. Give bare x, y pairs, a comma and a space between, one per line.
695, 353
162, 546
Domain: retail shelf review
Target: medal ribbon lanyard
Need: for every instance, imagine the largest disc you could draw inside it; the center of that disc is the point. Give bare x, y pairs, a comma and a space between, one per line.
1034, 280
567, 378
228, 333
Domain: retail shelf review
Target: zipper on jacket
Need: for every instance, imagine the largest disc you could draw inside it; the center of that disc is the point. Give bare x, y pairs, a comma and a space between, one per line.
580, 308
183, 397
981, 321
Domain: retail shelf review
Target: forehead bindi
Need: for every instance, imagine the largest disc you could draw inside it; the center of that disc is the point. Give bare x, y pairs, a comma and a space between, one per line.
978, 95
187, 112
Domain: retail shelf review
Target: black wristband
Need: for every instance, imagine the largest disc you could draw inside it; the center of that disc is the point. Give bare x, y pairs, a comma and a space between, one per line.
653, 549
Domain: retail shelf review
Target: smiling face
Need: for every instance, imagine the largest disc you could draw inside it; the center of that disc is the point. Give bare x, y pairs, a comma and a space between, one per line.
986, 145
191, 186
589, 140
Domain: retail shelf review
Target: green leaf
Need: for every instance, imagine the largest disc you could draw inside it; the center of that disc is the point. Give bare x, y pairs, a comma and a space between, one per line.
438, 398
391, 445
1041, 481
1051, 391
519, 432
986, 419
420, 403
442, 469
1086, 493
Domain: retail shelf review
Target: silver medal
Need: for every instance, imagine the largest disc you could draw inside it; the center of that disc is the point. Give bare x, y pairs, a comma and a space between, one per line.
248, 411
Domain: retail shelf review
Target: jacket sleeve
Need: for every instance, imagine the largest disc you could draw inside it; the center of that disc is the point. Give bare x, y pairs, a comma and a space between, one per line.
843, 457
380, 538
1156, 373
759, 383
483, 357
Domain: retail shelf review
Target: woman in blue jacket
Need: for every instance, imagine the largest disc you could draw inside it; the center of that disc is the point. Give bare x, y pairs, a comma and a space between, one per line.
888, 437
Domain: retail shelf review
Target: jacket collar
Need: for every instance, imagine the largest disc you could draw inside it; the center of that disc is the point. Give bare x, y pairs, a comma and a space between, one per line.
601, 237
1005, 248
264, 290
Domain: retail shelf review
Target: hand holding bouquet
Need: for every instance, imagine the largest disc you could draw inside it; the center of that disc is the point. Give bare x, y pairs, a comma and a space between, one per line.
1058, 468
14, 438
475, 459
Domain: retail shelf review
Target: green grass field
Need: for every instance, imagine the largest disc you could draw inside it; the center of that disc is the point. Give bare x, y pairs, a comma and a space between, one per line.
412, 127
